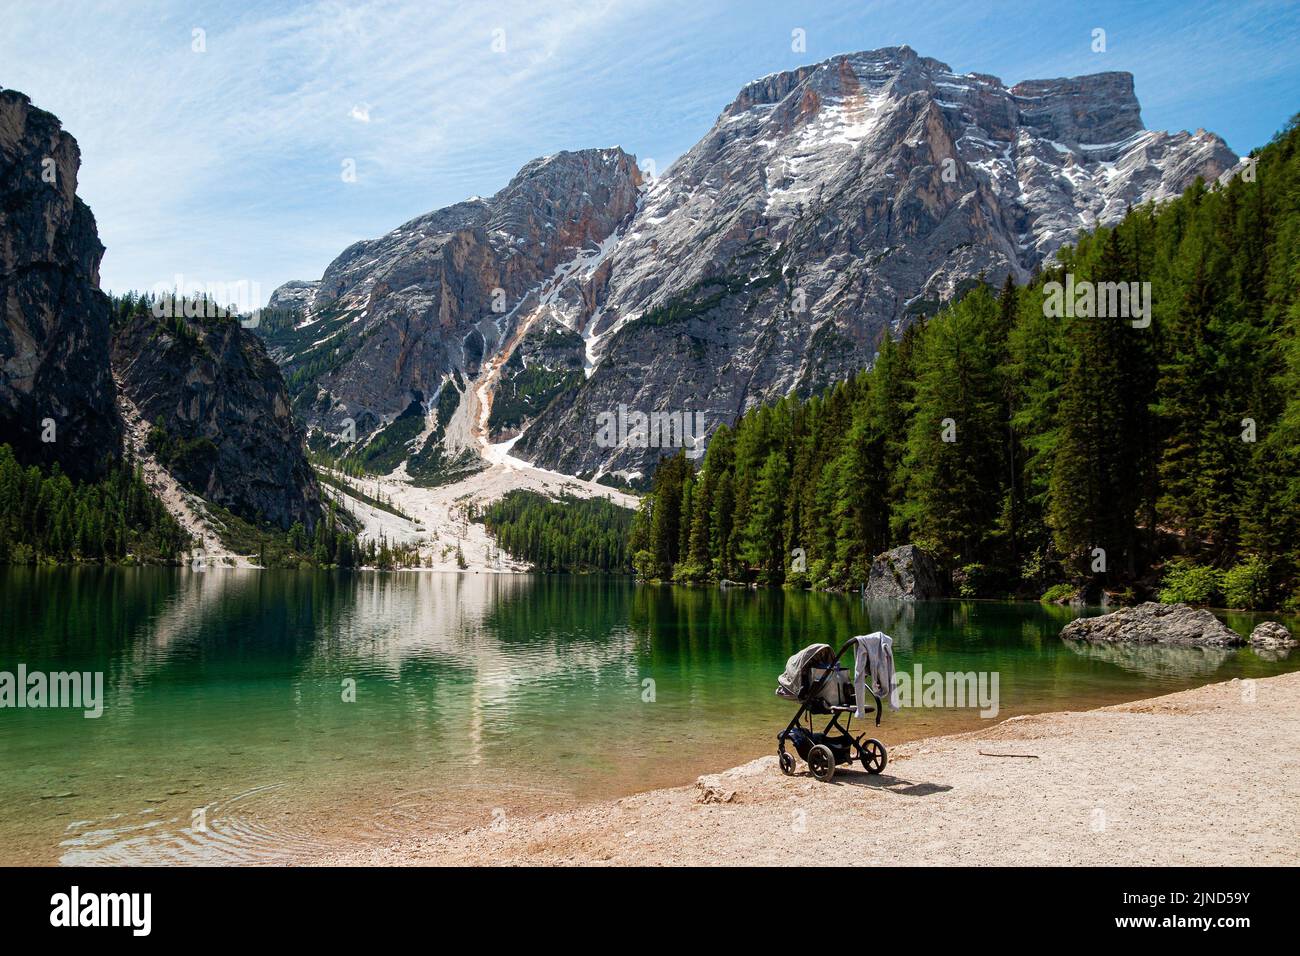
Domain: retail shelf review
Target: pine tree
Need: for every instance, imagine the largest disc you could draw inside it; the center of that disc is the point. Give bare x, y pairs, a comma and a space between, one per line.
954, 453
762, 538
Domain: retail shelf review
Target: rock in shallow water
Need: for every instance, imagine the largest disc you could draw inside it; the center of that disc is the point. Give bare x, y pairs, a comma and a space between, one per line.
1153, 623
1273, 635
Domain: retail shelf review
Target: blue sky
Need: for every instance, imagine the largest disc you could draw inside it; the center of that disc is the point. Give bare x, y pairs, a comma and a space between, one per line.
226, 165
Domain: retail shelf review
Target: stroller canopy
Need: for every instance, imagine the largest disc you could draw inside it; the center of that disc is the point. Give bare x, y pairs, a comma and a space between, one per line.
794, 679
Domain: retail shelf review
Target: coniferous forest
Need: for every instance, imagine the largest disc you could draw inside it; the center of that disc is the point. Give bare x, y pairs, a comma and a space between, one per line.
572, 535
1035, 453
48, 518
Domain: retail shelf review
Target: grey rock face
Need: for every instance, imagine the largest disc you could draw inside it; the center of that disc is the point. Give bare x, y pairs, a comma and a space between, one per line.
906, 573
54, 321
393, 319
293, 295
1153, 623
547, 364
230, 433
827, 206
214, 390
1271, 634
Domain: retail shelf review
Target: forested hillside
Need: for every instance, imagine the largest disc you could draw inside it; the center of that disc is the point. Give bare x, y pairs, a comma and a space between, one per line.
1026, 447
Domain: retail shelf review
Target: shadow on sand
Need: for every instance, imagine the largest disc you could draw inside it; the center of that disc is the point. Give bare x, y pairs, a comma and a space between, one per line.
883, 781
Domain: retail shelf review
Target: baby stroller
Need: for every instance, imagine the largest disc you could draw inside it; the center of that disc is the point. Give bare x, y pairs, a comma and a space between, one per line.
815, 678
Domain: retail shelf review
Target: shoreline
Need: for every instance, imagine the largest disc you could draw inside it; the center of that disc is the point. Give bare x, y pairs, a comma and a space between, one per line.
1202, 777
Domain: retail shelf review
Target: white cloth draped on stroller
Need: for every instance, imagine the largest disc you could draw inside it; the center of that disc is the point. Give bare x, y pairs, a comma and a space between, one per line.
873, 657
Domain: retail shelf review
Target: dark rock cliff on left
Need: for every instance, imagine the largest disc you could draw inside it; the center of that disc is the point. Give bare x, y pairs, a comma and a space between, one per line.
221, 420
56, 387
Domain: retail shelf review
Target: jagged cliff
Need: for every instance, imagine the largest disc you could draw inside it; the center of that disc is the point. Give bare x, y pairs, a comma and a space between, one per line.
55, 380
396, 319
221, 420
833, 204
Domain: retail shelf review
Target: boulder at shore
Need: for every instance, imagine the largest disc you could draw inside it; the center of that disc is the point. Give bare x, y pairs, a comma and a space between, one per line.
906, 573
1272, 634
1153, 623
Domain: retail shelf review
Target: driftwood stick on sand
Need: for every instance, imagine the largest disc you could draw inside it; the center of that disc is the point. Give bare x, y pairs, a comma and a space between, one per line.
1026, 756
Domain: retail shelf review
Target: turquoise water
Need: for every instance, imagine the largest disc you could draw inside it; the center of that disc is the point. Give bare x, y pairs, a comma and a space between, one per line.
477, 697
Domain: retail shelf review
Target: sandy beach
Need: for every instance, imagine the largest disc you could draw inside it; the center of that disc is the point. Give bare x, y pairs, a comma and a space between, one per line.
1209, 776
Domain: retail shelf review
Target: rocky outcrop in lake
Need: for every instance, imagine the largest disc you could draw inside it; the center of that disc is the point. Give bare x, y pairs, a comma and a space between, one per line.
1153, 623
56, 387
1273, 636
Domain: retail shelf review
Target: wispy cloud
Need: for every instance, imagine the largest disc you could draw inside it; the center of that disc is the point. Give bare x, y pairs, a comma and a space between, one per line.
197, 144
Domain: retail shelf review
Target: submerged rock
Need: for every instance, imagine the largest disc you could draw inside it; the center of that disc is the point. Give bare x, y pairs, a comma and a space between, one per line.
1271, 634
1157, 661
1153, 623
906, 573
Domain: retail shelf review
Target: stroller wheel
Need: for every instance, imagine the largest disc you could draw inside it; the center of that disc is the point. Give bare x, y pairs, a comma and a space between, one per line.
787, 763
821, 762
873, 754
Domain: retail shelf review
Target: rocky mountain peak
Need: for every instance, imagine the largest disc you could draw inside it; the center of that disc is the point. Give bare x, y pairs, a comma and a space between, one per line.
836, 75
834, 203
1101, 108
827, 206
396, 320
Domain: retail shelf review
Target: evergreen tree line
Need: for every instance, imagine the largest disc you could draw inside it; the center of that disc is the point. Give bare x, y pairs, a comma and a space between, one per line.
173, 310
46, 518
571, 535
1028, 448
49, 519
